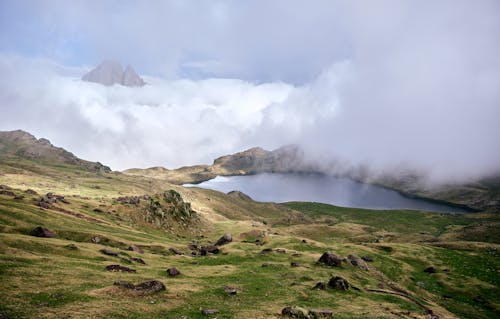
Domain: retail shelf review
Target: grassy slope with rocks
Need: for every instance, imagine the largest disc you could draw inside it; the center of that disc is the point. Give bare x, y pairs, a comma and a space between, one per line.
49, 278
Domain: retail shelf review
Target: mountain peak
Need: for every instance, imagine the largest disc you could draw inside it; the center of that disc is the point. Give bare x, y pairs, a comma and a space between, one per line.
110, 72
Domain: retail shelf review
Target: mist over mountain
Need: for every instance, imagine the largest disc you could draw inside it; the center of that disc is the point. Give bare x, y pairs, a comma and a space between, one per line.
111, 72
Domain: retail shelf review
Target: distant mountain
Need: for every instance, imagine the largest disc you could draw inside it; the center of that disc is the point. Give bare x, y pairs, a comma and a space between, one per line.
20, 145
111, 72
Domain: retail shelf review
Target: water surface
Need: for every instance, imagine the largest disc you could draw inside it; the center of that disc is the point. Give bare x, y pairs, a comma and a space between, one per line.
323, 189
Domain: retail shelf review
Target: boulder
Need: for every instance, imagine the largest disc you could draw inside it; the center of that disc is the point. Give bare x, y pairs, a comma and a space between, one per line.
150, 287
172, 272
338, 283
330, 259
208, 312
321, 313
175, 251
124, 284
209, 249
430, 270
367, 258
357, 262
296, 312
266, 251
135, 248
31, 192
226, 239
119, 268
321, 285
40, 231
138, 260
108, 252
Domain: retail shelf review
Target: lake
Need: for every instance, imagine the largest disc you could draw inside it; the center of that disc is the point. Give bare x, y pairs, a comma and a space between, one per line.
323, 189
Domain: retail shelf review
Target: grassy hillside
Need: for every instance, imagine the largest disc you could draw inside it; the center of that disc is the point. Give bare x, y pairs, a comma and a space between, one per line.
271, 262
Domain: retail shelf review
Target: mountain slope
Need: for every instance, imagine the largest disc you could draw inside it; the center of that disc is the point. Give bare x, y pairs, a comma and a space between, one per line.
111, 72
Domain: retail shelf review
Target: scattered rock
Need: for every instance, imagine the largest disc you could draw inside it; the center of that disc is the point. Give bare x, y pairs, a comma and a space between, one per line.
338, 283
95, 239
8, 193
230, 290
172, 272
19, 197
294, 264
135, 248
150, 287
266, 251
421, 284
321, 313
119, 268
430, 270
209, 249
330, 259
226, 239
71, 246
133, 200
296, 255
367, 258
40, 231
124, 284
296, 312
208, 312
138, 260
44, 205
304, 241
175, 251
281, 250
31, 192
357, 262
320, 285
98, 210
108, 252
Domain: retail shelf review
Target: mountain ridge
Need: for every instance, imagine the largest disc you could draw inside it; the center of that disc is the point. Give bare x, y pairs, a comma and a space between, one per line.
110, 72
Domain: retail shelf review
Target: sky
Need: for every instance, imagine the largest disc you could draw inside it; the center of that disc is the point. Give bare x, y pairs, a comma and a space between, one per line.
386, 84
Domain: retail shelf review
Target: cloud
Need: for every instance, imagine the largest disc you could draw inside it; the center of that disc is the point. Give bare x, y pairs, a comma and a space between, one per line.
389, 85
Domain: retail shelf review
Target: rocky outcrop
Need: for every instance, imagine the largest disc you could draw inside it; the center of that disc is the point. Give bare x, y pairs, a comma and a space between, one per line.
119, 268
330, 259
338, 283
40, 231
111, 72
226, 239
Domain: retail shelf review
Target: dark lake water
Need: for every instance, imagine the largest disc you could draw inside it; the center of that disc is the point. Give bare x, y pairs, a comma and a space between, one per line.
320, 188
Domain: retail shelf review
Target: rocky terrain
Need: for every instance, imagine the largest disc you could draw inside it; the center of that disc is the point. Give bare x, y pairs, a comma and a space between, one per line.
111, 72
84, 243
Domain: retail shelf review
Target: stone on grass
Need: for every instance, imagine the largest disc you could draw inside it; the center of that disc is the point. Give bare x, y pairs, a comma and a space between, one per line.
150, 287
208, 312
321, 313
209, 249
124, 284
330, 259
135, 248
71, 246
176, 251
430, 270
296, 312
119, 268
138, 260
357, 262
321, 285
226, 239
230, 290
108, 252
172, 272
338, 283
40, 231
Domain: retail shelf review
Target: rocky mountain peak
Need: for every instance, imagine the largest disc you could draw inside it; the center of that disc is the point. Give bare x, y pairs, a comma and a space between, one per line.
110, 72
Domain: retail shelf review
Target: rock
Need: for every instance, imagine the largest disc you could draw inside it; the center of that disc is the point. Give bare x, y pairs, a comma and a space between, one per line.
209, 249
150, 287
321, 313
8, 193
124, 284
95, 239
430, 270
230, 290
338, 283
296, 312
108, 252
281, 250
294, 264
321, 285
31, 192
40, 231
357, 262
19, 197
175, 251
330, 259
266, 251
208, 312
304, 241
172, 272
138, 260
135, 248
119, 268
98, 210
44, 205
367, 258
421, 284
71, 246
226, 239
